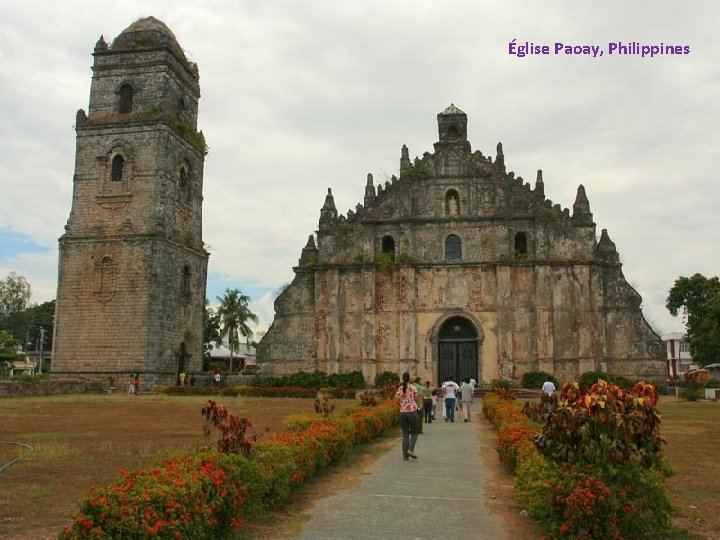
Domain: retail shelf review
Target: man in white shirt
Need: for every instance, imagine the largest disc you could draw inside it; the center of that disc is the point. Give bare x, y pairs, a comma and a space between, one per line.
466, 398
546, 400
450, 388
548, 387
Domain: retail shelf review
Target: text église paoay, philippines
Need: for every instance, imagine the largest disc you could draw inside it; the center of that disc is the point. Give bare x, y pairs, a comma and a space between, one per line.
613, 48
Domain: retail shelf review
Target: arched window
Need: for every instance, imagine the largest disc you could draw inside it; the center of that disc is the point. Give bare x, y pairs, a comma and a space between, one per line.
452, 203
453, 248
126, 99
118, 163
520, 244
185, 286
388, 246
185, 182
105, 272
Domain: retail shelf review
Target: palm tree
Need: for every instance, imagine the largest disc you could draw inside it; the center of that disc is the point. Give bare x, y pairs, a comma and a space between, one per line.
234, 314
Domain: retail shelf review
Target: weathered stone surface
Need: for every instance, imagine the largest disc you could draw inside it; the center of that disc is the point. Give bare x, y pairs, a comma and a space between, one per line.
457, 244
132, 269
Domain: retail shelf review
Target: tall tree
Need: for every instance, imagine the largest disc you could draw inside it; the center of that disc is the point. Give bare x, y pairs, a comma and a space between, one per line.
25, 325
234, 314
211, 330
15, 293
698, 298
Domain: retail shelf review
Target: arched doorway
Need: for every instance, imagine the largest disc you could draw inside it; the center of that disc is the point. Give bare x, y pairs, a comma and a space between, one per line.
457, 350
182, 358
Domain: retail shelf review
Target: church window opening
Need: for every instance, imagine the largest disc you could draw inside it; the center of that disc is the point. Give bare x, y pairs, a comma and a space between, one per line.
452, 203
126, 99
520, 244
118, 163
185, 286
184, 183
453, 134
388, 246
105, 279
453, 248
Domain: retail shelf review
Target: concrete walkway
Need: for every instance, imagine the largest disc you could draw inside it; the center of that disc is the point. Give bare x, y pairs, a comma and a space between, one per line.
439, 495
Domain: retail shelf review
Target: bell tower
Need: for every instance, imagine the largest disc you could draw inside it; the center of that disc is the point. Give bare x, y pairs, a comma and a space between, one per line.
133, 267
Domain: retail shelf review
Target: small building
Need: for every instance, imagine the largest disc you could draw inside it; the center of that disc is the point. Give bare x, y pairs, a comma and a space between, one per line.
714, 370
243, 358
678, 354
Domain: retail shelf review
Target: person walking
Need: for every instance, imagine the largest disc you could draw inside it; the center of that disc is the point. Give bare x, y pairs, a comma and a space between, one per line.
546, 398
466, 398
427, 394
407, 397
450, 388
419, 387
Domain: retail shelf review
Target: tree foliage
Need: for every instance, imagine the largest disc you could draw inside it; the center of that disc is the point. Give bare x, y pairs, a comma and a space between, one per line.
211, 330
8, 346
234, 314
26, 324
698, 299
15, 293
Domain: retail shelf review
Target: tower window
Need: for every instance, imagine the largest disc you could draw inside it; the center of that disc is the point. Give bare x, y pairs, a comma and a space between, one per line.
185, 285
453, 248
126, 99
388, 246
520, 244
452, 203
184, 183
118, 163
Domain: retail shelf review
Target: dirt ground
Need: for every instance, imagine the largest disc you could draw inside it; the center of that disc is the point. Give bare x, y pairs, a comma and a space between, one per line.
82, 441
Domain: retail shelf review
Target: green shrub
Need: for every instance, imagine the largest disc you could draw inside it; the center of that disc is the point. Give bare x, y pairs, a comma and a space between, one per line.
315, 379
386, 376
690, 393
535, 379
591, 377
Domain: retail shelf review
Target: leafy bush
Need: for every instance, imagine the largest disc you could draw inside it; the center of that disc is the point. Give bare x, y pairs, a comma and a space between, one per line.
535, 379
386, 376
591, 377
690, 393
603, 424
598, 472
315, 379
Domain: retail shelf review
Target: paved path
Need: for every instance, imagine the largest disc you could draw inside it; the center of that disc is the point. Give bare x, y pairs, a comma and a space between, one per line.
439, 495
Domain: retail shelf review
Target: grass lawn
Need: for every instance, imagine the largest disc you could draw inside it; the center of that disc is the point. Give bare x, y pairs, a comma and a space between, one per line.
692, 430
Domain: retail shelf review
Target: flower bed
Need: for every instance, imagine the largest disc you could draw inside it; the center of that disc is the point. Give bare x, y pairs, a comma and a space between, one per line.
594, 468
206, 494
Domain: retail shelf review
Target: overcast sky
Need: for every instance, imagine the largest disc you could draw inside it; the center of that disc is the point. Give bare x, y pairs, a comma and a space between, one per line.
299, 96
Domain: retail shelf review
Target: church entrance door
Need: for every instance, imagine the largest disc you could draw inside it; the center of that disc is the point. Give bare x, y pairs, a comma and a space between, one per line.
457, 350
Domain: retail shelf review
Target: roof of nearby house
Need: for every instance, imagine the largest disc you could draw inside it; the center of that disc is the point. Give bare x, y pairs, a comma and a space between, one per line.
673, 335
223, 351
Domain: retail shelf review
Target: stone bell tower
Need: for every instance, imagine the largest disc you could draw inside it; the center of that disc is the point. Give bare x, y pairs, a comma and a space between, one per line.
133, 267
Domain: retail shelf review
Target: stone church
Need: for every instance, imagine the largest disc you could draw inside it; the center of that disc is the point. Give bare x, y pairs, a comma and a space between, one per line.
459, 268
133, 267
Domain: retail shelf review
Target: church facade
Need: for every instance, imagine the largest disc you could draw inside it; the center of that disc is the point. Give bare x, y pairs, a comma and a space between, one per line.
458, 268
132, 266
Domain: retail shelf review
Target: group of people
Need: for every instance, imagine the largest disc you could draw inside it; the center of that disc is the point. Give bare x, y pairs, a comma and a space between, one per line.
134, 384
418, 402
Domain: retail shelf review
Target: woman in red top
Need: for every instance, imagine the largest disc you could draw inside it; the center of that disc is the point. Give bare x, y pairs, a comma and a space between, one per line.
406, 397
